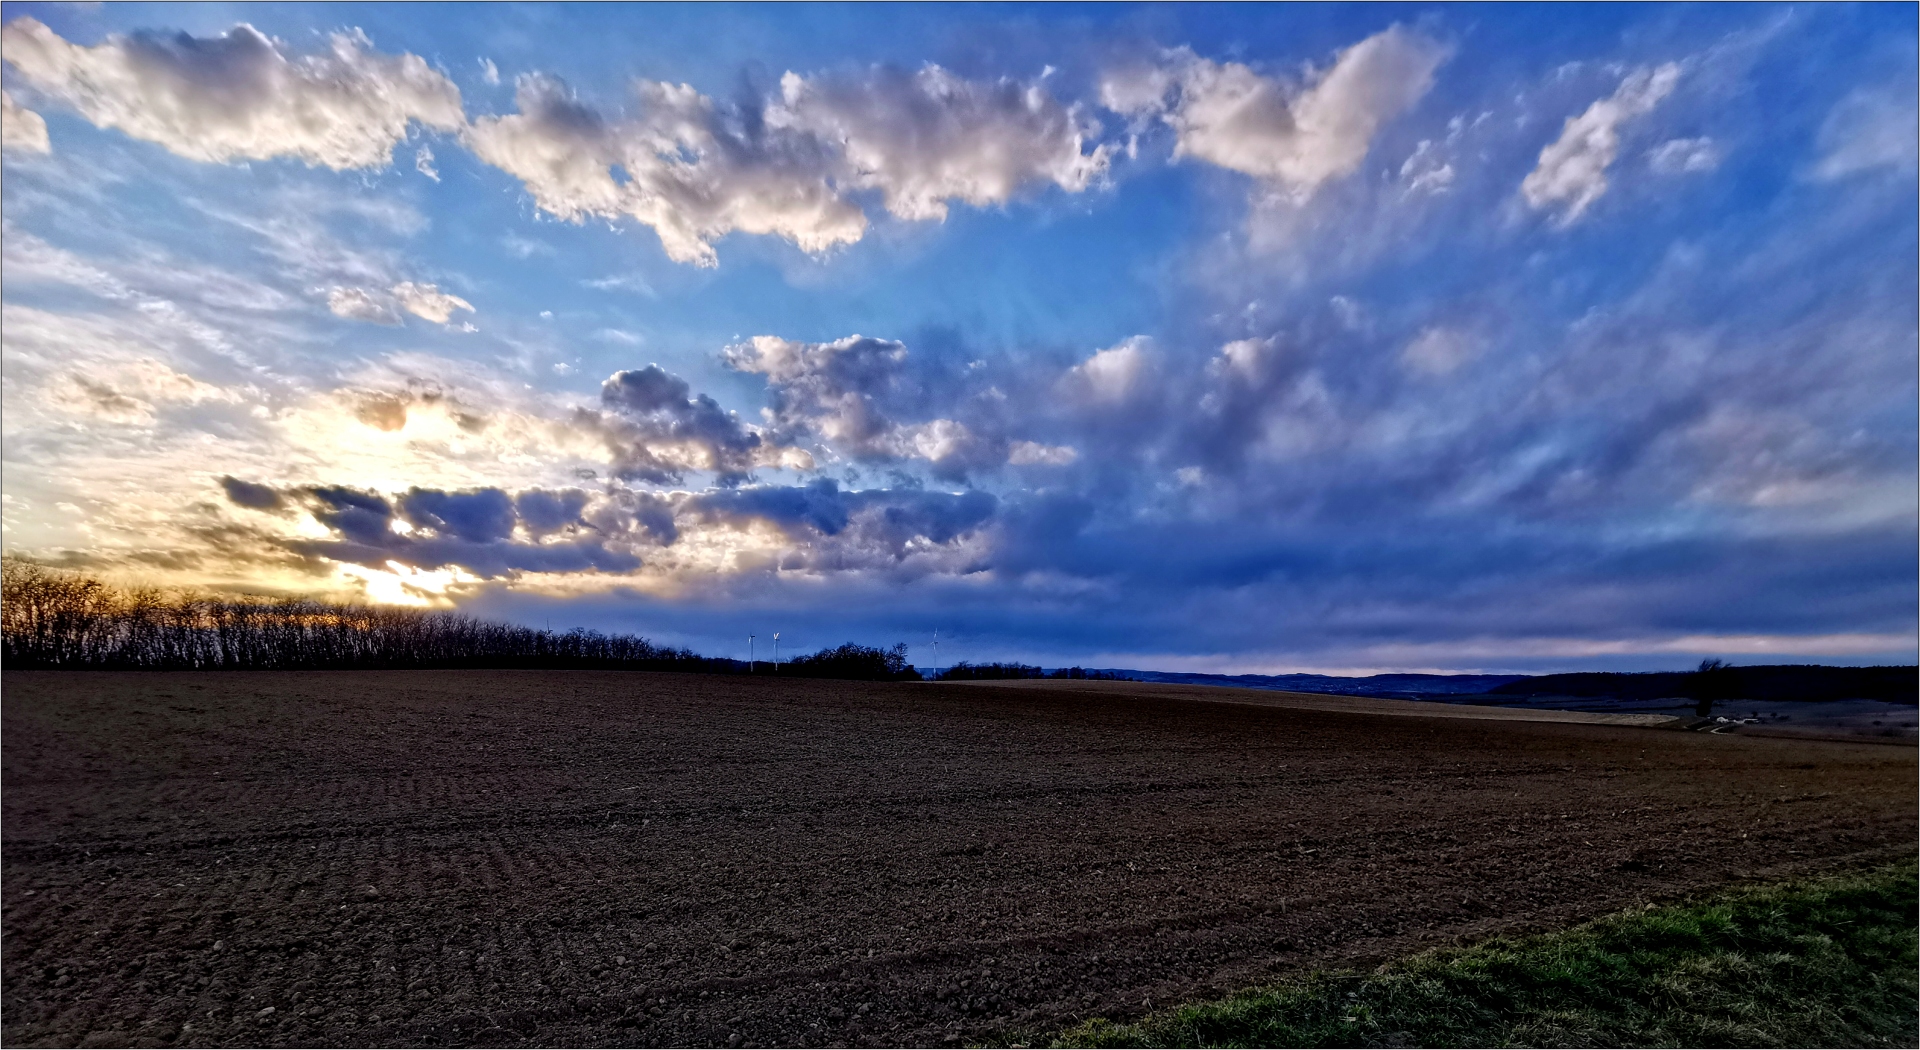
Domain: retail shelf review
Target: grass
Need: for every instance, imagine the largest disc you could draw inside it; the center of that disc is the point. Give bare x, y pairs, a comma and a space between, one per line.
1818, 962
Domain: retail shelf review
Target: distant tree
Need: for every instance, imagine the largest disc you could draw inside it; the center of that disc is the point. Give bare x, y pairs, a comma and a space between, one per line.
1083, 673
964, 672
57, 618
858, 662
1713, 682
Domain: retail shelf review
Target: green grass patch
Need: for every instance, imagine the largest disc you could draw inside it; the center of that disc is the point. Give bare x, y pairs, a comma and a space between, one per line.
1818, 962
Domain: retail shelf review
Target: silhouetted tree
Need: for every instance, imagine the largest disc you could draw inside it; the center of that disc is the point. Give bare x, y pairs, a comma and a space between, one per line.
861, 662
51, 618
964, 672
1711, 683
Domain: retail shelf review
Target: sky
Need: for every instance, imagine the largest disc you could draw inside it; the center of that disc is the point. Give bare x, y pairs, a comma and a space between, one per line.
1237, 339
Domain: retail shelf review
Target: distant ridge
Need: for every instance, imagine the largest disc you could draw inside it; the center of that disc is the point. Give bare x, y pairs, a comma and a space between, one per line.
1399, 686
1769, 682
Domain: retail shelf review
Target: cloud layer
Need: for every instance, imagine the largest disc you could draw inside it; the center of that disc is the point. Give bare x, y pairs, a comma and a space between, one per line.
1245, 359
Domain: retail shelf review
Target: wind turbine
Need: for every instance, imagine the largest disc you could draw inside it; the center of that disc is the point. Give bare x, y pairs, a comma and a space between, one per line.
749, 654
776, 652
936, 648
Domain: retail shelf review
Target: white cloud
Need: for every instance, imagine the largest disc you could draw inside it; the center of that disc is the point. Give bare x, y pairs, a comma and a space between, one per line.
827, 389
1032, 453
425, 301
127, 390
524, 248
695, 170
428, 301
239, 96
840, 393
1867, 130
623, 282
1426, 170
359, 304
1111, 375
1573, 169
928, 137
692, 174
1297, 137
489, 72
1439, 351
22, 128
423, 163
1684, 156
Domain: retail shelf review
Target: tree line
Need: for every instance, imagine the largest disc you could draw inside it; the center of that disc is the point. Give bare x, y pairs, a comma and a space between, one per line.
970, 672
1714, 681
52, 618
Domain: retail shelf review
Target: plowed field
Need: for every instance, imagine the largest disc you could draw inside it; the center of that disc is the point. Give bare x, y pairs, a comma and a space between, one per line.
581, 858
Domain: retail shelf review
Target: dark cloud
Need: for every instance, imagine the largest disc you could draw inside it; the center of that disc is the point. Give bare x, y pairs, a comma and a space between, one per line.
543, 512
362, 517
247, 494
833, 529
486, 560
656, 430
820, 507
623, 511
472, 529
477, 515
892, 520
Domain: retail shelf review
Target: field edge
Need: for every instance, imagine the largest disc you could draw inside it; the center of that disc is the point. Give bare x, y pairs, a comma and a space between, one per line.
1816, 960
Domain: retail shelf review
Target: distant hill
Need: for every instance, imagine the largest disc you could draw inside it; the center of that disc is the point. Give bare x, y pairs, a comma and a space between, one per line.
1403, 686
1771, 682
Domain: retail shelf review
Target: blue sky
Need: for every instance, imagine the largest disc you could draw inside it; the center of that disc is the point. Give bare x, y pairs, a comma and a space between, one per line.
1249, 338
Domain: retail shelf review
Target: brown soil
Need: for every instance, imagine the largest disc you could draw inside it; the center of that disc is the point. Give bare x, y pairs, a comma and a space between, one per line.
502, 858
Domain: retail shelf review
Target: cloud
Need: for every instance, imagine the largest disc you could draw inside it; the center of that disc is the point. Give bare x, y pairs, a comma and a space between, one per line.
1572, 172
1439, 351
848, 394
1425, 170
694, 170
423, 163
1297, 137
926, 137
1112, 375
429, 302
239, 95
250, 495
490, 532
359, 304
656, 429
363, 517
1684, 156
1032, 453
470, 529
425, 301
827, 529
1868, 129
543, 512
829, 391
477, 516
21, 128
129, 390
